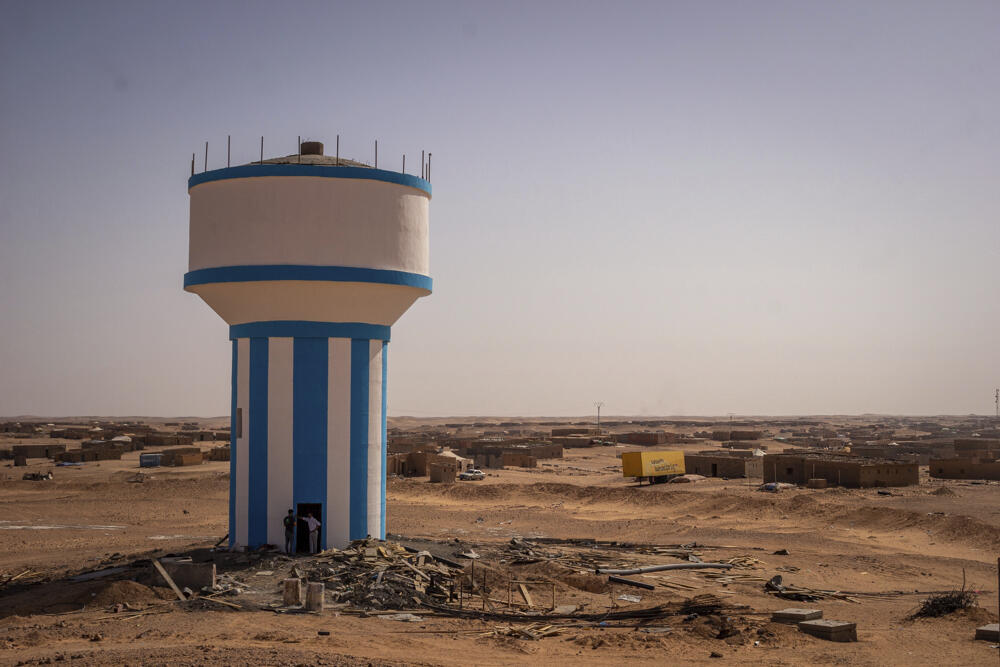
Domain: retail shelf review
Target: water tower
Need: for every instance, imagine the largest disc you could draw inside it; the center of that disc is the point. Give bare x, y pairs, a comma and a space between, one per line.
310, 259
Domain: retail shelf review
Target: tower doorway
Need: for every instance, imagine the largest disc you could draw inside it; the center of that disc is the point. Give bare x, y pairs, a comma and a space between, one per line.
302, 510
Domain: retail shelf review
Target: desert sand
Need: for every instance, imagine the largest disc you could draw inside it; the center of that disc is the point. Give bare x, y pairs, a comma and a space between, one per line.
920, 539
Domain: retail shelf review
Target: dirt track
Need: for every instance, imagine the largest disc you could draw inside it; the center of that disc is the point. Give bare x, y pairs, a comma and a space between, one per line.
918, 540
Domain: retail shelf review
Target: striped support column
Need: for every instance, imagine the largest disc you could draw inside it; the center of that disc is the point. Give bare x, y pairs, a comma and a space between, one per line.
308, 427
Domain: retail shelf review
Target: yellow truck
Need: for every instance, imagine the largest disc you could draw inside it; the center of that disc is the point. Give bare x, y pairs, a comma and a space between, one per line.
654, 467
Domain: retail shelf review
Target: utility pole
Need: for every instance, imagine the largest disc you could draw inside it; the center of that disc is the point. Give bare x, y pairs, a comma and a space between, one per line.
599, 405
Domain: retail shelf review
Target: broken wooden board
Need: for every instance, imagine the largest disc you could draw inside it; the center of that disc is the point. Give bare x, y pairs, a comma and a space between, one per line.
166, 577
526, 595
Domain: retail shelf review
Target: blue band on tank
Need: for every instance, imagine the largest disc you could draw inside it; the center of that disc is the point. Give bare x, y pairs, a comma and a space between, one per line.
303, 329
344, 274
321, 171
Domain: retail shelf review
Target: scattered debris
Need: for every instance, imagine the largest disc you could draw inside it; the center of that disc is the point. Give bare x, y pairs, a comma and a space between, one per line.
946, 603
407, 618
802, 594
671, 566
534, 631
15, 577
775, 487
630, 582
687, 479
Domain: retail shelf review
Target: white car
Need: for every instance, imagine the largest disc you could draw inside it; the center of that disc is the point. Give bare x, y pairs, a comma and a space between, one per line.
472, 475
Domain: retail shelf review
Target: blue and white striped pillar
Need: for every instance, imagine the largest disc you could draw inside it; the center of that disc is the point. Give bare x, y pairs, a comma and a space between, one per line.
308, 419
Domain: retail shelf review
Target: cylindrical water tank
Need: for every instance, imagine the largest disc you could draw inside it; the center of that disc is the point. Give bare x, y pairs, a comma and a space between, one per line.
310, 259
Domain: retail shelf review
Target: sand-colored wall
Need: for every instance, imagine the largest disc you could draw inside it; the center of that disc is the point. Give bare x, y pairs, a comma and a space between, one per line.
724, 466
964, 468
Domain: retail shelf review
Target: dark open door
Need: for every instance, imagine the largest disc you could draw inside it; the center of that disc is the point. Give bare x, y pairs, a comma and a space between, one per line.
302, 534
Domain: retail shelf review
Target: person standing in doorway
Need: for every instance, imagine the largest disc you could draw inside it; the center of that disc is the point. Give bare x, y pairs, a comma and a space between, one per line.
314, 525
289, 523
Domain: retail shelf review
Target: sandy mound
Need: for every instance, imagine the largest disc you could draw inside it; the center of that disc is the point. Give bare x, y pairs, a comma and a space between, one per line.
118, 592
62, 596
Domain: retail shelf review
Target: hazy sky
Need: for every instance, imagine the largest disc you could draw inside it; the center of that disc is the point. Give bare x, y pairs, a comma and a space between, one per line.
673, 207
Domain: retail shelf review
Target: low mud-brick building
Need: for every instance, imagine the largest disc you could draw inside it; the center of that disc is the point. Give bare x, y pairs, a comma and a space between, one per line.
965, 468
714, 464
840, 471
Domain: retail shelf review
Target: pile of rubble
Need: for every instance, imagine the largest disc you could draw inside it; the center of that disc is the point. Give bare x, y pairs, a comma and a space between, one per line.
370, 574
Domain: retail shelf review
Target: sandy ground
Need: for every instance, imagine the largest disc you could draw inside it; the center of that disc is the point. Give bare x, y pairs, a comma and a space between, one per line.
919, 539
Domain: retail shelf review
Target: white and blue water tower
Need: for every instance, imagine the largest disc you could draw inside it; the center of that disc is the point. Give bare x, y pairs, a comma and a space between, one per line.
310, 259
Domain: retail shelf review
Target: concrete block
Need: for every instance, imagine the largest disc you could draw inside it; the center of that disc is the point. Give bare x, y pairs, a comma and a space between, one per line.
202, 555
314, 596
990, 633
191, 575
834, 631
794, 615
293, 592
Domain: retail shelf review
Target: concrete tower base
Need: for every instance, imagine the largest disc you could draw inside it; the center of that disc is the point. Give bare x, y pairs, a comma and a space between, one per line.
308, 415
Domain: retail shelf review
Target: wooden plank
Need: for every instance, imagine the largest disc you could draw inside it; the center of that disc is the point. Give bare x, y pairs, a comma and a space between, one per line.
166, 577
525, 595
512, 603
228, 604
481, 593
422, 574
